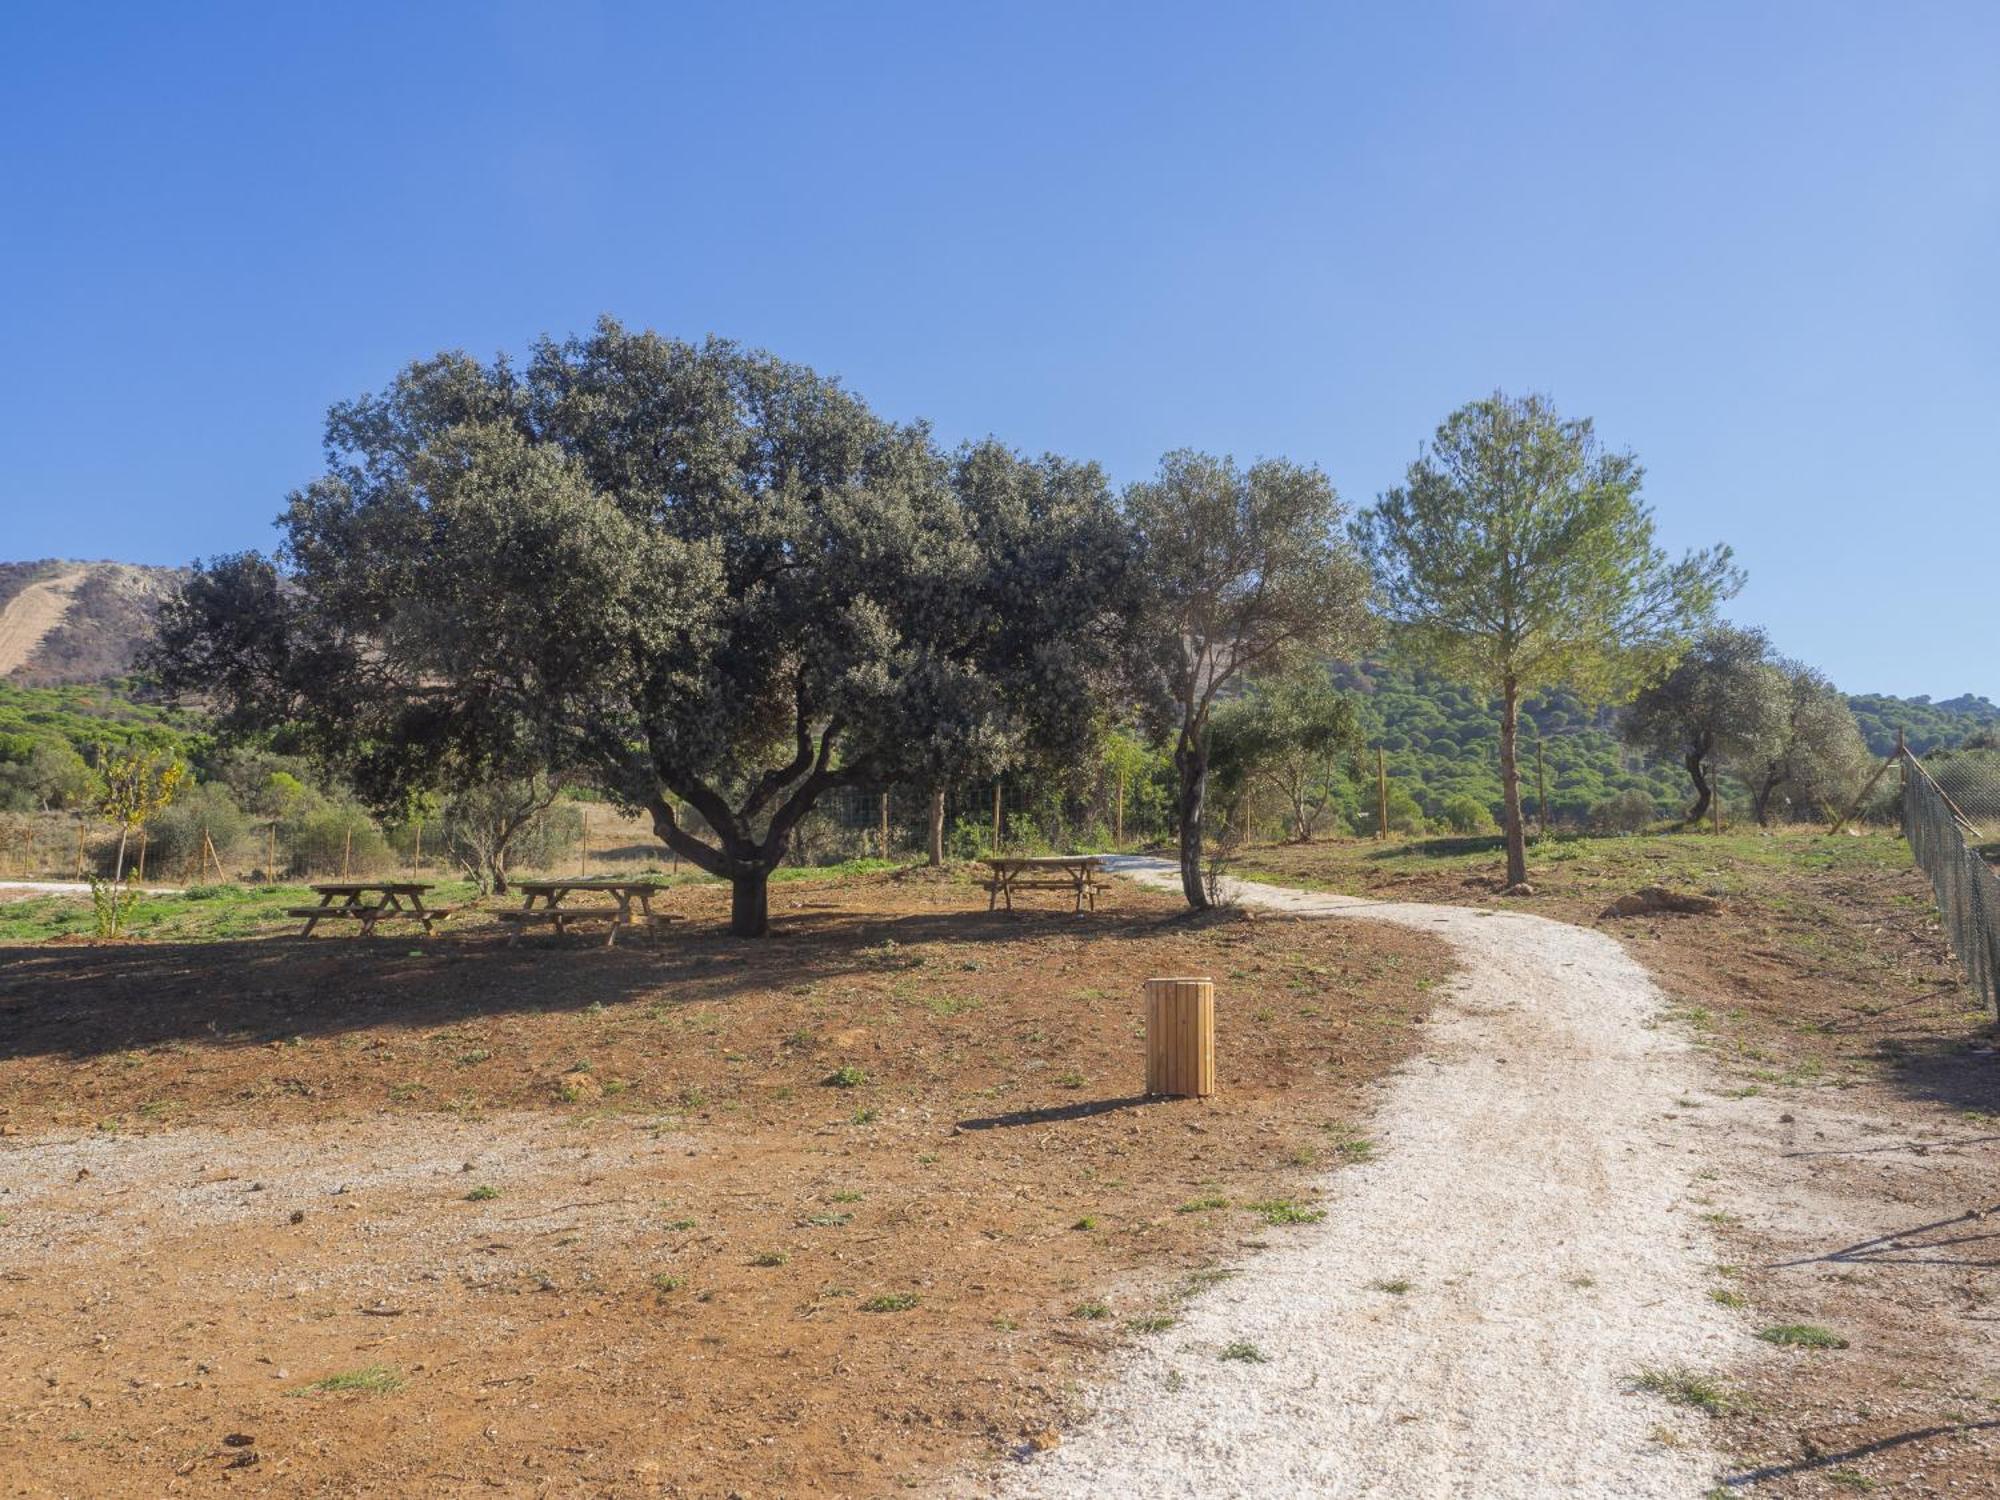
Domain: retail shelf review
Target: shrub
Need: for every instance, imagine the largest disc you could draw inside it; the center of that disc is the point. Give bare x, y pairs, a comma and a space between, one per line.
1464, 814
1624, 812
173, 837
325, 838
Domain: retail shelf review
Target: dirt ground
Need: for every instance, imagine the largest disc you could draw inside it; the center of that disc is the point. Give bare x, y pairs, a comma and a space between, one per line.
1855, 1074
830, 1214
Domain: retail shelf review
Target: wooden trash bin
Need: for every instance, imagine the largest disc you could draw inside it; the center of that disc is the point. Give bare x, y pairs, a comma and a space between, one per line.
1180, 1037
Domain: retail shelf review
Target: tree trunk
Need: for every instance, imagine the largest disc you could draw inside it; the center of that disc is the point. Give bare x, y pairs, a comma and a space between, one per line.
936, 843
1510, 784
750, 903
1703, 793
496, 874
118, 870
1193, 761
1760, 798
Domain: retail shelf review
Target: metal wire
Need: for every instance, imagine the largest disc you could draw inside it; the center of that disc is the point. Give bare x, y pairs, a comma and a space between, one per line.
1968, 889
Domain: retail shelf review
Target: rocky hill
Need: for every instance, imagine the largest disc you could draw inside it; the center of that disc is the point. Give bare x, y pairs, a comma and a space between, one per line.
63, 621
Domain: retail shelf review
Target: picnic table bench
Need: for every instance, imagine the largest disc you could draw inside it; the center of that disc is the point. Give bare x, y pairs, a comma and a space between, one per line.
1076, 873
551, 894
369, 902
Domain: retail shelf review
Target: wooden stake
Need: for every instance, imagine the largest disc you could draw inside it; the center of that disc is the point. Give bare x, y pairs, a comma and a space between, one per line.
142, 854
1715, 800
885, 825
346, 851
271, 854
583, 853
1180, 1037
1381, 793
1118, 814
417, 857
79, 848
1541, 789
996, 815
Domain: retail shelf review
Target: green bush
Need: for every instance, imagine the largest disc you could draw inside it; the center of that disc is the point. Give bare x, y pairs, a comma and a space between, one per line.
329, 838
1465, 814
173, 837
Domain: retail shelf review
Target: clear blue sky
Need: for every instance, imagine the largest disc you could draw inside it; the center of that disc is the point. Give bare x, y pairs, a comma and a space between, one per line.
1760, 244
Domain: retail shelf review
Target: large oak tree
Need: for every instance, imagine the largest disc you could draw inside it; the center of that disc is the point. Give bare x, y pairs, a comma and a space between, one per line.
710, 582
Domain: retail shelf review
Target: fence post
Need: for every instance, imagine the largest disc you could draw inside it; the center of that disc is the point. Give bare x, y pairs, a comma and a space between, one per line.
346, 850
271, 853
583, 853
1541, 789
142, 854
1381, 793
996, 815
1118, 814
79, 848
885, 823
1715, 800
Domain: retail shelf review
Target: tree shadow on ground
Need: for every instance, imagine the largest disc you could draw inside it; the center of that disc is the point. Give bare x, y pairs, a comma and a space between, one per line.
1445, 848
1823, 1461
1056, 1114
1969, 1240
1962, 1072
84, 1000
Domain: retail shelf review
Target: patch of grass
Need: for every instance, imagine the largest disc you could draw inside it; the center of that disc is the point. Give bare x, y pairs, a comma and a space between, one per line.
1277, 1211
1727, 1296
1152, 1322
1202, 1205
829, 1221
373, 1380
846, 1076
1684, 1387
890, 1302
863, 1117
1397, 1287
482, 1194
1802, 1336
664, 1283
1087, 1223
847, 1195
1090, 1312
769, 1258
1245, 1352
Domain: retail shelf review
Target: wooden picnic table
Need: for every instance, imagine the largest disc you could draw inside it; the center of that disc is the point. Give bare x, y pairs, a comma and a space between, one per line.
369, 902
553, 893
1053, 872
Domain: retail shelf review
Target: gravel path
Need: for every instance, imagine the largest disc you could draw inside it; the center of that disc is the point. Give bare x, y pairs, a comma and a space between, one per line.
1532, 1189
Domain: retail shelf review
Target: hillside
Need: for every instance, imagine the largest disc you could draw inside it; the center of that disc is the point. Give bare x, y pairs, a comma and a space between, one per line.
63, 621
1442, 740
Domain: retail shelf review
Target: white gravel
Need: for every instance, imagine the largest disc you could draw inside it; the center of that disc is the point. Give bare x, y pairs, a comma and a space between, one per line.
1532, 1184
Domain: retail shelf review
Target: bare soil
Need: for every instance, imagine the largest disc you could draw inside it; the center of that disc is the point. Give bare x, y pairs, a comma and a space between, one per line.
832, 1213
31, 614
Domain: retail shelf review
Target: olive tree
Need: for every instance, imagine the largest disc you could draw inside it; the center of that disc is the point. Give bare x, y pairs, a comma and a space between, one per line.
1248, 572
1724, 703
1299, 738
1518, 555
1816, 756
709, 582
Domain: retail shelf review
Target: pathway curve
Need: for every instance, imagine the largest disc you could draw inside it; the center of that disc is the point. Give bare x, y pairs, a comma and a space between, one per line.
1533, 1188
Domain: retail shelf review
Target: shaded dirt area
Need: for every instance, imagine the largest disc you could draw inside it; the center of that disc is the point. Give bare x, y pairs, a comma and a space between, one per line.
1861, 1089
826, 1214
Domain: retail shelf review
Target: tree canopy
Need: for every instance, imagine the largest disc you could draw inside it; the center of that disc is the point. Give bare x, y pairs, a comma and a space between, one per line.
1249, 572
1517, 554
1723, 704
711, 582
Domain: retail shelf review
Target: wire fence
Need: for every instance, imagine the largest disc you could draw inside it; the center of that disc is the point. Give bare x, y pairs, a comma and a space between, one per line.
1950, 848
